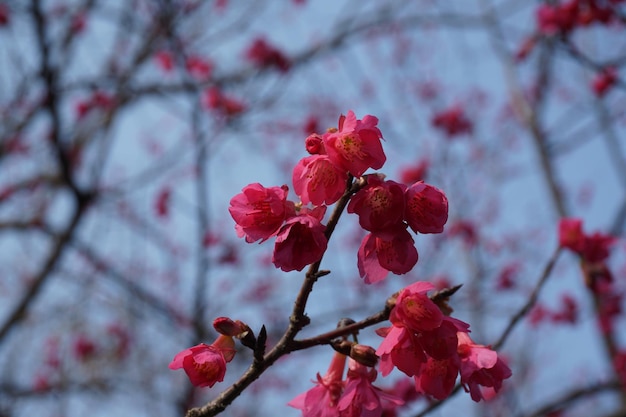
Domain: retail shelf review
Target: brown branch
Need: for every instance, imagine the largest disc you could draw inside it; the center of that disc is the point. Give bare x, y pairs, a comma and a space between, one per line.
297, 321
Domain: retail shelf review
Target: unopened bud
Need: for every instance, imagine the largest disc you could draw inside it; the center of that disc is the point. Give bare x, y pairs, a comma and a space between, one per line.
363, 354
228, 327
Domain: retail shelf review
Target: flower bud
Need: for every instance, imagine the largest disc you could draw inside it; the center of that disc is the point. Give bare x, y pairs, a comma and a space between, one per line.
363, 354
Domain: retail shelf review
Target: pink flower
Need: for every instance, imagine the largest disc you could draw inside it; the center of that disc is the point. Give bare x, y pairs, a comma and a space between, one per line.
199, 67
415, 310
379, 205
381, 252
360, 398
162, 202
596, 247
213, 98
317, 180
301, 241
571, 234
401, 349
165, 60
436, 377
452, 121
603, 81
591, 248
322, 399
356, 146
84, 348
205, 365
426, 208
480, 366
314, 144
259, 212
263, 54
415, 173
4, 14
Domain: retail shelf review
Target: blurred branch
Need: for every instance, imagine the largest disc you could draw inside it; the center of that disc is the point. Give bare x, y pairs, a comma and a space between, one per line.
561, 403
532, 299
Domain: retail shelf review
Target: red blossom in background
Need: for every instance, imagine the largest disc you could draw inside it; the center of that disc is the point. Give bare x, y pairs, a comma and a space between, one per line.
164, 60
259, 212
214, 99
604, 81
591, 248
84, 348
453, 122
98, 100
563, 18
265, 55
356, 146
414, 173
301, 241
199, 68
4, 14
162, 202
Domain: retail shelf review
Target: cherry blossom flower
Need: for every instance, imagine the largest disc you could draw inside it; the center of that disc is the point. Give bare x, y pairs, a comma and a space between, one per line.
426, 209
603, 81
259, 212
199, 68
571, 234
452, 121
301, 241
165, 60
379, 205
400, 349
414, 173
317, 180
381, 252
415, 310
4, 14
263, 54
213, 98
205, 365
314, 144
591, 248
360, 398
480, 366
437, 376
322, 399
355, 146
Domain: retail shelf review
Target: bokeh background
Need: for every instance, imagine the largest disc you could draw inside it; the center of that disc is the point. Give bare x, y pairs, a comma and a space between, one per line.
127, 126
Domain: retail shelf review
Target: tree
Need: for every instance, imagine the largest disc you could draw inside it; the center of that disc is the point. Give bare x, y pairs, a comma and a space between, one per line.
127, 128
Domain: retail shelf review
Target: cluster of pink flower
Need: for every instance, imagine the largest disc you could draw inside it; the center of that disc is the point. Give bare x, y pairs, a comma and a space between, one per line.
593, 251
265, 55
422, 341
353, 397
453, 121
433, 348
564, 17
385, 208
